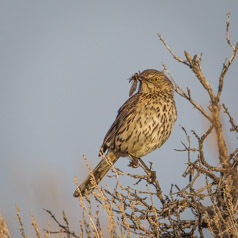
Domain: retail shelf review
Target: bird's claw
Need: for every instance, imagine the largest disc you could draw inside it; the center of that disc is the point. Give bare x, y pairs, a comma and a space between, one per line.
134, 162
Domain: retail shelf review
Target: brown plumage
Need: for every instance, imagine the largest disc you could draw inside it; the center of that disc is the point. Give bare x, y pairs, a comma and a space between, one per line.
144, 122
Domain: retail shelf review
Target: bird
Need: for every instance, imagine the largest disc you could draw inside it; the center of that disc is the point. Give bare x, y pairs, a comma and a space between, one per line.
143, 123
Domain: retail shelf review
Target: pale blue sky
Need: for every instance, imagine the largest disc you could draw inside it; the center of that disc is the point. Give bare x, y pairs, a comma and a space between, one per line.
64, 66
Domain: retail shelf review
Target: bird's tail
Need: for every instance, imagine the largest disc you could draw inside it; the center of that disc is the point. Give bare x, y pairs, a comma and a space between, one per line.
88, 185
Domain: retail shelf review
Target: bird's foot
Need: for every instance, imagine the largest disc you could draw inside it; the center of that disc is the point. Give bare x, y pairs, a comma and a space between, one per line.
134, 162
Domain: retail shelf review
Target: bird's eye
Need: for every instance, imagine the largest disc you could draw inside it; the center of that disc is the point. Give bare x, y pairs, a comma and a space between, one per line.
156, 79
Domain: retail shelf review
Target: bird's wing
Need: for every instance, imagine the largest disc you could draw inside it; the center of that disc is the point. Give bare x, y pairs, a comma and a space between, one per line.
124, 112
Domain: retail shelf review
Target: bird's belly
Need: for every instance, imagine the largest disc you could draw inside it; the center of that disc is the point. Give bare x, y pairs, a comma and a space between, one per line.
146, 132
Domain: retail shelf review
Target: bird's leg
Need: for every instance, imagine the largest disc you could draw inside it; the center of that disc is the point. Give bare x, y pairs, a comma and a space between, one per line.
134, 162
151, 174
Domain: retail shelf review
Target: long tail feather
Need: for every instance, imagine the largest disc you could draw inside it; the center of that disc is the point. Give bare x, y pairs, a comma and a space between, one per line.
87, 186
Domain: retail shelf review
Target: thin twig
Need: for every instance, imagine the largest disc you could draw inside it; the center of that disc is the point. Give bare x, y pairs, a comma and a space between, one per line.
187, 96
234, 126
65, 228
171, 52
226, 65
20, 222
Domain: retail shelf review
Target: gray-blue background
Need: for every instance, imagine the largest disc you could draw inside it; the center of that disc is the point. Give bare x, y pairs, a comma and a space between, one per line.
64, 66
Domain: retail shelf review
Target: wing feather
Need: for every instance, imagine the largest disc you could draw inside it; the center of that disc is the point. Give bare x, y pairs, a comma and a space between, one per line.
124, 112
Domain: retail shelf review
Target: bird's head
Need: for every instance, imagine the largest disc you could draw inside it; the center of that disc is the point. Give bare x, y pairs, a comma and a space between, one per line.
151, 81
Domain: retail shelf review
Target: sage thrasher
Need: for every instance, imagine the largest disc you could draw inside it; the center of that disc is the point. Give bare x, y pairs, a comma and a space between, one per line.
143, 124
